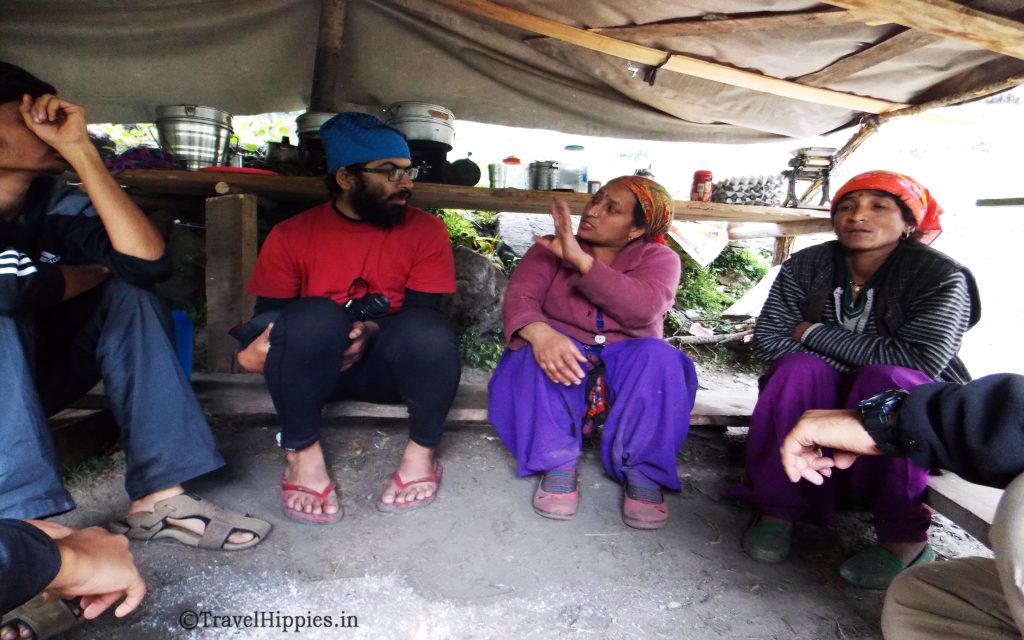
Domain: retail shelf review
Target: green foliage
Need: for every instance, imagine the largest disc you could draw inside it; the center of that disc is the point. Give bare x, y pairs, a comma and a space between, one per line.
705, 289
482, 351
476, 230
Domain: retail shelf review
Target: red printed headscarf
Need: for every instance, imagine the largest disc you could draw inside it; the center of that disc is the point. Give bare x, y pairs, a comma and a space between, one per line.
909, 191
654, 200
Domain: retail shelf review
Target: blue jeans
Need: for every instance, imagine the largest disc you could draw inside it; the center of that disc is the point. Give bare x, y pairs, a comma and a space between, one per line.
118, 333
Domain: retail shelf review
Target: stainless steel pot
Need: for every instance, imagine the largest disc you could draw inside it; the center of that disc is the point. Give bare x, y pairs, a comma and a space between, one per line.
422, 121
199, 135
308, 123
311, 149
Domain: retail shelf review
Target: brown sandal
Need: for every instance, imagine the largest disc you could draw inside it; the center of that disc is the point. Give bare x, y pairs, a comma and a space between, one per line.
220, 523
44, 618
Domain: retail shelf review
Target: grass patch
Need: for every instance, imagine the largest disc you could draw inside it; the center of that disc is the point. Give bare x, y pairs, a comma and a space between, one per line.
90, 468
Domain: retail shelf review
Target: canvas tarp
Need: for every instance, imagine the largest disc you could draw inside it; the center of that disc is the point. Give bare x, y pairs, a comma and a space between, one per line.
122, 58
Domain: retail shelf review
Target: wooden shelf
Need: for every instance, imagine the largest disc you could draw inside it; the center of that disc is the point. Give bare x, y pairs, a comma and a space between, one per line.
426, 195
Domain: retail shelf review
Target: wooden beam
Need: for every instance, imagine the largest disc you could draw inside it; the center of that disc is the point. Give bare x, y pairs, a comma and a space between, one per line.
672, 62
741, 23
898, 45
947, 19
971, 506
752, 230
999, 202
230, 258
426, 194
327, 67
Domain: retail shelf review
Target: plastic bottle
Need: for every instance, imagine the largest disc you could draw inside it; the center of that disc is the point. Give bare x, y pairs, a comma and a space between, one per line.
515, 177
572, 173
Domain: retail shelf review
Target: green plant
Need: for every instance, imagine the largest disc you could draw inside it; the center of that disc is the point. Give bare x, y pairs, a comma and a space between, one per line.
702, 289
482, 351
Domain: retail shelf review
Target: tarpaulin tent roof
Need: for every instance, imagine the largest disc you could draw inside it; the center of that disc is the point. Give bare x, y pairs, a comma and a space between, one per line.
729, 68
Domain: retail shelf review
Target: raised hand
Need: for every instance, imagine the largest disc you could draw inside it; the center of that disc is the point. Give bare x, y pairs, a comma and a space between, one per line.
57, 122
564, 243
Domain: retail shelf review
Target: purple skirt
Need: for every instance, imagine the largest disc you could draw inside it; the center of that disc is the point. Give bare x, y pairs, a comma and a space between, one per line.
653, 386
891, 488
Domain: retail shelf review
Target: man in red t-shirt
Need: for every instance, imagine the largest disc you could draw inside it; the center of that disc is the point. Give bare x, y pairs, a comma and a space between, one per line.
351, 291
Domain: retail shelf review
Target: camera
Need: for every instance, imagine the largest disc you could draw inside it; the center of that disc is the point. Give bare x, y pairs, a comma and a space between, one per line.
369, 307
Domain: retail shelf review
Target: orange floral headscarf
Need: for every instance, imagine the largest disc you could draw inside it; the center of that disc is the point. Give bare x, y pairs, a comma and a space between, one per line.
910, 192
654, 200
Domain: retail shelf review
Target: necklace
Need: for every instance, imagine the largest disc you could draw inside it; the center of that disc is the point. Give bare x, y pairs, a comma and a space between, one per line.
857, 288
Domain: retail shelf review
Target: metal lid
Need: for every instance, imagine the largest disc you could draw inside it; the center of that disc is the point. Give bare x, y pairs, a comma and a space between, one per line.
308, 123
193, 112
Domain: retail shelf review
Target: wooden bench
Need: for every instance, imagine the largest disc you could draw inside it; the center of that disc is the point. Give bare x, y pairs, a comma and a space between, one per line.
245, 395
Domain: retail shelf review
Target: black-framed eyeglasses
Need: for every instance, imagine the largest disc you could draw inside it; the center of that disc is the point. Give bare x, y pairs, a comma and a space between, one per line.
394, 174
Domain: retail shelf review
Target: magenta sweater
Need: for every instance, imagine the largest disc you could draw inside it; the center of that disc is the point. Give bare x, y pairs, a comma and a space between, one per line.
634, 292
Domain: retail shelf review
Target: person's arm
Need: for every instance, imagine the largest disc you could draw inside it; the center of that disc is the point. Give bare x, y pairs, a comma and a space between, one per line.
524, 298
779, 315
26, 285
936, 322
975, 430
29, 560
62, 125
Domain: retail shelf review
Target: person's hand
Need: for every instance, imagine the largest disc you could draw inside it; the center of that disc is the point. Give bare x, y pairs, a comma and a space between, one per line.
564, 244
253, 357
360, 336
57, 122
798, 330
97, 566
556, 355
839, 430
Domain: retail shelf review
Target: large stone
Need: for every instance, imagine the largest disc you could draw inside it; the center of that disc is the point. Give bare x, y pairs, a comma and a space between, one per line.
479, 287
516, 230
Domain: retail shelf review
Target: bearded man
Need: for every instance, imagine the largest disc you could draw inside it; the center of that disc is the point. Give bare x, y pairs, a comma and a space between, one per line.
349, 292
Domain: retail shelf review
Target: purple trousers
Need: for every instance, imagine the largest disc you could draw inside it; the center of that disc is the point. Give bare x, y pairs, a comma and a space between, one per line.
652, 386
891, 488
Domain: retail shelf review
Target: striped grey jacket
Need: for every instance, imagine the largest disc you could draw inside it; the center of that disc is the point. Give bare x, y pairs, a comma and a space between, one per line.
923, 303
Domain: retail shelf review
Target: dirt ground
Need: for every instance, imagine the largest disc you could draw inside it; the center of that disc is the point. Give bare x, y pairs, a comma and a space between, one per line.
479, 563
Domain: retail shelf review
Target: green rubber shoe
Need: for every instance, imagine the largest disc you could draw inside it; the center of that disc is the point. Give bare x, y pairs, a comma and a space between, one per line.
767, 542
875, 567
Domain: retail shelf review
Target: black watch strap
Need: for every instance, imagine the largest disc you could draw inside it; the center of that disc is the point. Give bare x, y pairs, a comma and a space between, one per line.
876, 413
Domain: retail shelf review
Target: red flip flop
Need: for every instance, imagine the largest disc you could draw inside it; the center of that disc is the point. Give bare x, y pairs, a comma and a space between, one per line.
310, 518
435, 477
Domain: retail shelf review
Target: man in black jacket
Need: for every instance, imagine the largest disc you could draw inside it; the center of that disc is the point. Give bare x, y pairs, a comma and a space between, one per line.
975, 430
75, 307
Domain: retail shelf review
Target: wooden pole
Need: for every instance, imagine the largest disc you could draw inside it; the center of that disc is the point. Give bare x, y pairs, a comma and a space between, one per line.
947, 19
672, 62
870, 125
327, 67
230, 258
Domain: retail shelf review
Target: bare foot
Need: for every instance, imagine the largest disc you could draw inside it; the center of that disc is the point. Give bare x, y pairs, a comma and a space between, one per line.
196, 525
417, 462
308, 468
906, 551
19, 631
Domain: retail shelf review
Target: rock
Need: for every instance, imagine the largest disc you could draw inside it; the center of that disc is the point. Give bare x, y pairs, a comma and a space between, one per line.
479, 286
516, 230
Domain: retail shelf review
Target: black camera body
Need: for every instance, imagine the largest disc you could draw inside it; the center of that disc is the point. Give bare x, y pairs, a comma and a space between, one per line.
369, 307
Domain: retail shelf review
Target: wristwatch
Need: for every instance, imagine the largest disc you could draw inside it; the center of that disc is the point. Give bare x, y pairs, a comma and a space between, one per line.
876, 416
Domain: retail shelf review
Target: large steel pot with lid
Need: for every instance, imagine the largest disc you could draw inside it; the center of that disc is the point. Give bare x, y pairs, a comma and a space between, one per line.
311, 149
422, 121
199, 135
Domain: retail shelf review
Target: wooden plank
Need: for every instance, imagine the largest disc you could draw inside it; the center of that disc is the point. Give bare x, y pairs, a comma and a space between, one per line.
245, 395
672, 62
426, 194
82, 433
947, 19
230, 258
751, 230
971, 506
734, 23
898, 45
327, 65
1000, 202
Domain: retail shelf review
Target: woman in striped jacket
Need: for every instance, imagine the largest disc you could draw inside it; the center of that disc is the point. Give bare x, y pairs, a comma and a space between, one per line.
874, 310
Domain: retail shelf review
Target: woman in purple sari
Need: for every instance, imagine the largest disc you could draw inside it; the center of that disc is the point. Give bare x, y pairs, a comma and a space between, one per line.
873, 311
583, 319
